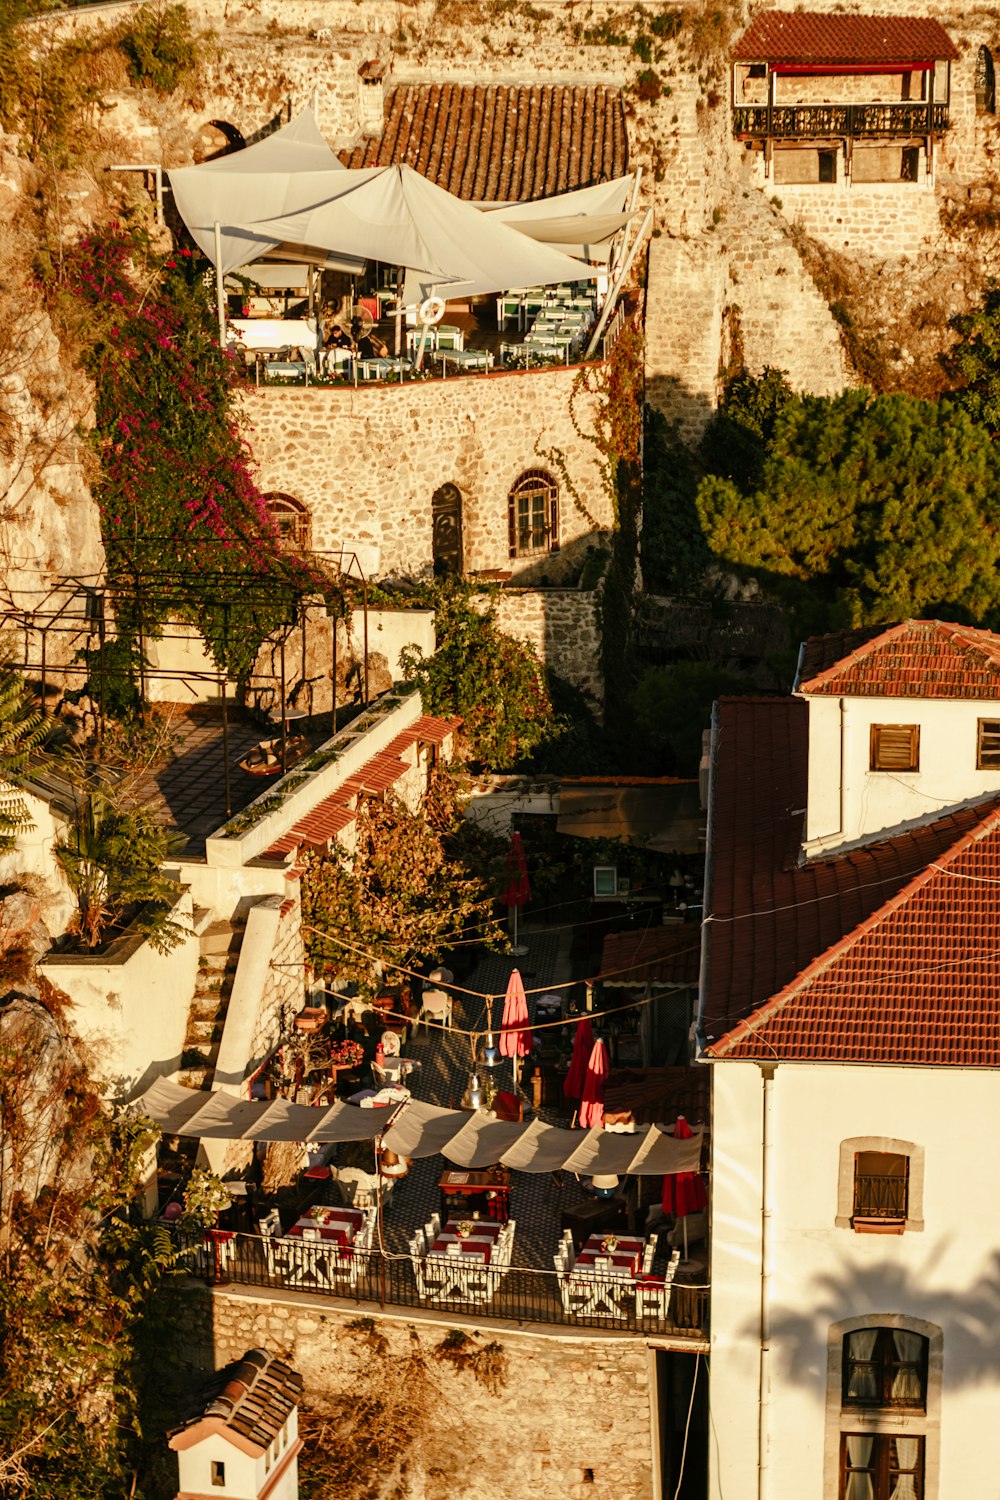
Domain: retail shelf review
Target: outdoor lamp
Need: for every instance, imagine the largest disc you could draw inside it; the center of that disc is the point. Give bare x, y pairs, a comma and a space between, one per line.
491, 1055
473, 1096
604, 1187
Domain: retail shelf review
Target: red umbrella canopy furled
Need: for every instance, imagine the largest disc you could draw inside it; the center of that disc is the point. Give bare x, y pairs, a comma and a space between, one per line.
592, 1102
583, 1045
517, 886
683, 1192
515, 1032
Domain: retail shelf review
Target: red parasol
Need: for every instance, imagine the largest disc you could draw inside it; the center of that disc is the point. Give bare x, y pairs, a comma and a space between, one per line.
515, 1031
517, 889
583, 1045
683, 1192
592, 1101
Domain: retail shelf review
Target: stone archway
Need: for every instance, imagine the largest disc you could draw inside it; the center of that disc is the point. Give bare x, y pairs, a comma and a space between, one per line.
218, 138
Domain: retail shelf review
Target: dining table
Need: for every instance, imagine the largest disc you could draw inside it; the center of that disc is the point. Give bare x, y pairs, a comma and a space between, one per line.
327, 1223
457, 1265
604, 1273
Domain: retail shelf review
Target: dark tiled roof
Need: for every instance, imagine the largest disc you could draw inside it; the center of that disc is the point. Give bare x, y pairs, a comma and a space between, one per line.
501, 144
655, 955
251, 1397
814, 36
916, 983
917, 659
821, 652
656, 1096
770, 914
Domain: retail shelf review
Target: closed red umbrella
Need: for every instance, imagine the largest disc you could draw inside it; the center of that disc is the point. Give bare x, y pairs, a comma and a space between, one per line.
683, 1192
583, 1045
517, 886
515, 1032
592, 1101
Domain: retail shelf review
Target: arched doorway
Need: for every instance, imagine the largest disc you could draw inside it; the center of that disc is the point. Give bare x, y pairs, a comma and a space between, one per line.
292, 520
218, 138
986, 87
446, 539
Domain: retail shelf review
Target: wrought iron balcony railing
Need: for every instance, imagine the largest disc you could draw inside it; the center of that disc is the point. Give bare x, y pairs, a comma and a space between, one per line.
880, 1197
805, 121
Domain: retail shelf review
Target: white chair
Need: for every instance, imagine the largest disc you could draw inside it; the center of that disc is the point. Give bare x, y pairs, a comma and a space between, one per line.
649, 1254
360, 1188
435, 1006
390, 1044
652, 1298
270, 1223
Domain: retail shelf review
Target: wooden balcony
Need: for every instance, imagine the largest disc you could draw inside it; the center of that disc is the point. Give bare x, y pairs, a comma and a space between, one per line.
788, 122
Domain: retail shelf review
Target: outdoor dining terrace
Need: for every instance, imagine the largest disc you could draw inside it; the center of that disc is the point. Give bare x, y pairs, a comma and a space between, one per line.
417, 1206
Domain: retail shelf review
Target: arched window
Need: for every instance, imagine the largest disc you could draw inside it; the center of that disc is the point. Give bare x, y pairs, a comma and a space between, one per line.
292, 520
533, 514
986, 87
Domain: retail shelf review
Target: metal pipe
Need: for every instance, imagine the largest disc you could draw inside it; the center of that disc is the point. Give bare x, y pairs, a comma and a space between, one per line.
364, 596
284, 721
220, 285
225, 746
333, 682
767, 1072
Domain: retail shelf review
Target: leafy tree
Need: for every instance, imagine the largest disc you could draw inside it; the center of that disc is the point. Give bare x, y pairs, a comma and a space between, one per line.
740, 433
674, 554
673, 706
413, 885
974, 363
494, 683
112, 858
867, 509
159, 47
21, 732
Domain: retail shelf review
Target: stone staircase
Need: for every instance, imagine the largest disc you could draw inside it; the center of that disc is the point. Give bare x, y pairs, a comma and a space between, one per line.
219, 951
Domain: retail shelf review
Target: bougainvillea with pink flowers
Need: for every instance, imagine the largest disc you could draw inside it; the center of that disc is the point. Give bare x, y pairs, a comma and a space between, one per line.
186, 529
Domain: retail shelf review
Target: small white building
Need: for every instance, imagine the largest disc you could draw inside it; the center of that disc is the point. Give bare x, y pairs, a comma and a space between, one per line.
242, 1440
850, 1012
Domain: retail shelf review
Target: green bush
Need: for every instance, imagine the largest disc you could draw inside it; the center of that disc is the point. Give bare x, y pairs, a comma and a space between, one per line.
159, 47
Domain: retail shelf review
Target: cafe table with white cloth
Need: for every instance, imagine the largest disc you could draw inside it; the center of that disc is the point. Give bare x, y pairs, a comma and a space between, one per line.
337, 1224
606, 1269
458, 1257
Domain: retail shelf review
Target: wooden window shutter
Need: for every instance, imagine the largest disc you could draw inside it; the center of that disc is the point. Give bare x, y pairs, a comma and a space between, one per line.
988, 750
512, 523
895, 747
554, 520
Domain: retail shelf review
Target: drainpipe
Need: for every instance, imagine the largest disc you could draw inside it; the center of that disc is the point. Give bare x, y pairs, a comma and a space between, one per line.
767, 1072
843, 761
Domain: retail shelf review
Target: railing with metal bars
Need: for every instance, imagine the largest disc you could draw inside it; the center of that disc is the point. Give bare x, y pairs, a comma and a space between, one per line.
801, 121
880, 1197
519, 1295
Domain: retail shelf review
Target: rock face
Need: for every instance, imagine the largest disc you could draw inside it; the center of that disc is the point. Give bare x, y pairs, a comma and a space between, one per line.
49, 524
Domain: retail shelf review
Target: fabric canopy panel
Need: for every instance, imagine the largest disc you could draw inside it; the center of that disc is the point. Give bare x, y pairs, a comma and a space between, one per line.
389, 214
420, 1130
581, 223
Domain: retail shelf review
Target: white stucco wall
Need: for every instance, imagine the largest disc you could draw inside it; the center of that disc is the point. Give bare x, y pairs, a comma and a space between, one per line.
945, 1275
130, 1005
843, 808
33, 855
246, 1476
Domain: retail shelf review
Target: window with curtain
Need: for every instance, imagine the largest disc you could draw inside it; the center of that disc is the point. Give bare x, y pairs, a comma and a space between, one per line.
875, 1466
885, 1367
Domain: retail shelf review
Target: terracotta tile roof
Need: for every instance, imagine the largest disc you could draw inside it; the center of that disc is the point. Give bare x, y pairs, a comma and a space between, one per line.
500, 144
769, 914
656, 1096
251, 1398
654, 955
915, 983
828, 38
917, 659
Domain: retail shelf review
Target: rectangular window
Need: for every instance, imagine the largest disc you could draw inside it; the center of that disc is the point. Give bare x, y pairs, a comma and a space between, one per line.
879, 1467
988, 749
885, 1368
828, 166
218, 1473
895, 747
532, 530
881, 1187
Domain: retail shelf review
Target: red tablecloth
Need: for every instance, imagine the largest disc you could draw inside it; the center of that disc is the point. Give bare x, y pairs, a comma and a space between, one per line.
625, 1258
323, 1231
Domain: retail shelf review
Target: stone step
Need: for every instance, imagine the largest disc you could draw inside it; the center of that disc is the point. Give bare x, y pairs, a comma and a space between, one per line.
199, 1032
219, 963
221, 937
197, 1078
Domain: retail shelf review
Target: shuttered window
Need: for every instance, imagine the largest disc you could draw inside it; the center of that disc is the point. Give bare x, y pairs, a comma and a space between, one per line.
988, 752
895, 747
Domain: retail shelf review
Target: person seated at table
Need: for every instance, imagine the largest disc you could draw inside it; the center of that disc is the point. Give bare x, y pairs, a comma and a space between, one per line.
373, 347
337, 338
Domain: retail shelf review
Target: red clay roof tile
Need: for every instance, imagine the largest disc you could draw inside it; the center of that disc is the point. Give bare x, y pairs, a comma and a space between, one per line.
769, 914
917, 659
828, 37
915, 983
499, 144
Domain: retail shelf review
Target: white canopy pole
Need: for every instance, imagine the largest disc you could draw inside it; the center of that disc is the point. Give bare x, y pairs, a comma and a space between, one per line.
612, 297
220, 286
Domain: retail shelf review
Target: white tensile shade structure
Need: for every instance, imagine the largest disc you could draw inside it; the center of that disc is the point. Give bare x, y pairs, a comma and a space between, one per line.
289, 196
583, 222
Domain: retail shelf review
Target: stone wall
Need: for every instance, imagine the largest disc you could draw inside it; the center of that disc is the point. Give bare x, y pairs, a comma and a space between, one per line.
367, 460
564, 627
571, 1422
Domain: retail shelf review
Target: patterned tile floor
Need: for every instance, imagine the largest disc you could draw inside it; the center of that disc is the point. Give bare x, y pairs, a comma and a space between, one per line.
445, 1057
